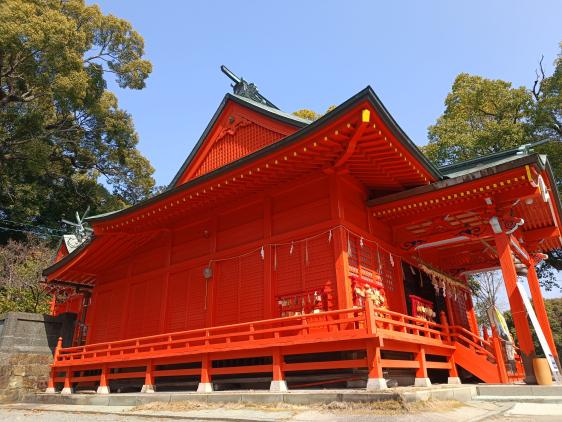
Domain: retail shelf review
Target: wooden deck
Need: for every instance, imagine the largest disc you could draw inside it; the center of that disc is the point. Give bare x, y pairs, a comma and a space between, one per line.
369, 330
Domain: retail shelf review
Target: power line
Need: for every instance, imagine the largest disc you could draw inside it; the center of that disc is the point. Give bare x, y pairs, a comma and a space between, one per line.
32, 225
10, 229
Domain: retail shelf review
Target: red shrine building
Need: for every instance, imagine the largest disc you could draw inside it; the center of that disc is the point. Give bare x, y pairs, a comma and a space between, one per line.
291, 253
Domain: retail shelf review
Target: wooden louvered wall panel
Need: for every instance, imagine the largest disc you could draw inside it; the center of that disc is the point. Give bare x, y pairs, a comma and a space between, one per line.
232, 146
196, 311
251, 291
227, 290
175, 319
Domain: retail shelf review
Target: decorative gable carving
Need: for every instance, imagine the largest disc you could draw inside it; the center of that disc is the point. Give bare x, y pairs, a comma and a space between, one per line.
237, 132
239, 138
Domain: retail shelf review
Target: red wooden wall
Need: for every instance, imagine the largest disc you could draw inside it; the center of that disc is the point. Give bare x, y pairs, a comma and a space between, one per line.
162, 288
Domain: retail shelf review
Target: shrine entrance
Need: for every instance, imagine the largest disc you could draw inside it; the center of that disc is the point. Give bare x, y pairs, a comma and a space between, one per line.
422, 301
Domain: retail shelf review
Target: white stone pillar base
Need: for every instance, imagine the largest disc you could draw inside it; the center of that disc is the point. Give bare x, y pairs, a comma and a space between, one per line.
376, 384
50, 390
103, 389
205, 387
454, 380
278, 386
66, 391
147, 388
422, 382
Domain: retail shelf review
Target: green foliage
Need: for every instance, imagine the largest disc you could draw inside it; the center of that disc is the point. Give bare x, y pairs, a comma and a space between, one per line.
310, 114
21, 264
554, 312
306, 114
481, 117
484, 116
63, 137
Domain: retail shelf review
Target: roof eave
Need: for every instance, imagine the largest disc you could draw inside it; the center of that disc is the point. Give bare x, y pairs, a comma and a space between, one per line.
446, 183
366, 94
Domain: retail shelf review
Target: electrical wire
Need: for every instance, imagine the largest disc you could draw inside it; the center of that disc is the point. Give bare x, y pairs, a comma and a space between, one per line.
5, 220
10, 229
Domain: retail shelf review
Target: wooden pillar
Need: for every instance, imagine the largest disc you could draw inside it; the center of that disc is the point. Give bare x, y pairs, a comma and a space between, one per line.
453, 373
210, 283
52, 374
375, 379
343, 282
472, 321
498, 353
165, 283
278, 382
518, 311
268, 291
339, 241
540, 310
400, 298
205, 385
148, 386
450, 313
67, 389
422, 379
103, 388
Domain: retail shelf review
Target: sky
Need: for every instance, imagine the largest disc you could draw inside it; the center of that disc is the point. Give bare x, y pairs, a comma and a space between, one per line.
313, 54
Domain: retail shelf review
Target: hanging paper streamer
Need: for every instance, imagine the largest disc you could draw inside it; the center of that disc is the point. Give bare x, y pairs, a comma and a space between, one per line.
361, 241
292, 247
330, 236
262, 253
391, 260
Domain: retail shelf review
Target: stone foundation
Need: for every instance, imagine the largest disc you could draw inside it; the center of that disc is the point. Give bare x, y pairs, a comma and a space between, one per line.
27, 343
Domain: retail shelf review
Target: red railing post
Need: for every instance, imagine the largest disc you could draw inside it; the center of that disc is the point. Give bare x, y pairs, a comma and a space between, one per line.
370, 323
485, 335
498, 354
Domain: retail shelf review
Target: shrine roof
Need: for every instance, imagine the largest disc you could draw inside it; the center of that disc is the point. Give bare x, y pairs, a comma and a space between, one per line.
491, 160
366, 94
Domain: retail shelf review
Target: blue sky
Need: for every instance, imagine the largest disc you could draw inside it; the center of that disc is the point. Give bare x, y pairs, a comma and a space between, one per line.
317, 53
312, 54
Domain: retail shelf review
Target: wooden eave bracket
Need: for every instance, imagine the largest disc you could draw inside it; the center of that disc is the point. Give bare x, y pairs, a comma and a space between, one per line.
352, 144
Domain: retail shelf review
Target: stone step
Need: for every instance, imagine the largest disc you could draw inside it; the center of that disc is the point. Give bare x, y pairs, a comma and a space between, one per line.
517, 391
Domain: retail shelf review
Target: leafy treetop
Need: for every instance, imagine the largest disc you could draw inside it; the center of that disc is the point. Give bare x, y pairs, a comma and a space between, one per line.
64, 142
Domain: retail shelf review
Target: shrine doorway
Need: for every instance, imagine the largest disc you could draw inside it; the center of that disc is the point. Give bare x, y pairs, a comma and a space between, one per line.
422, 300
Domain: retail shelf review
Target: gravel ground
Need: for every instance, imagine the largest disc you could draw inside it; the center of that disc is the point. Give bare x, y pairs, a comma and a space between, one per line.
472, 411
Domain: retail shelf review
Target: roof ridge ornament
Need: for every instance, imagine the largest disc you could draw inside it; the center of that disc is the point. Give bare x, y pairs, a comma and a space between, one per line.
246, 89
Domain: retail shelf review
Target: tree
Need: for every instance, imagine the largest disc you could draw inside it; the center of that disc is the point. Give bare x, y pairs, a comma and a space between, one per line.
310, 114
64, 142
21, 264
486, 294
483, 116
554, 313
